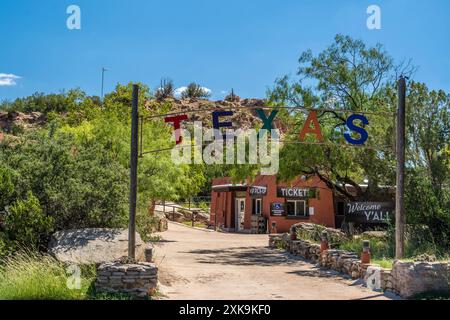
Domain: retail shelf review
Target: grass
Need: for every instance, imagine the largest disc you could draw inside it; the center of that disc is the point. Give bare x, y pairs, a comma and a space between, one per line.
29, 275
380, 249
384, 263
35, 276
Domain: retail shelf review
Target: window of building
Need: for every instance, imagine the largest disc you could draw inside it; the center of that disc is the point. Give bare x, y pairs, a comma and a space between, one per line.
296, 208
257, 206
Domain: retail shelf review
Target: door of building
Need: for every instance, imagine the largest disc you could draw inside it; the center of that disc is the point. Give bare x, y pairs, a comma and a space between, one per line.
240, 214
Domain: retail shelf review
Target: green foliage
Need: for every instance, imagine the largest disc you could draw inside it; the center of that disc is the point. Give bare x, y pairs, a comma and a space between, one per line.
379, 248
26, 224
6, 187
3, 247
347, 75
428, 174
46, 103
34, 276
118, 102
78, 185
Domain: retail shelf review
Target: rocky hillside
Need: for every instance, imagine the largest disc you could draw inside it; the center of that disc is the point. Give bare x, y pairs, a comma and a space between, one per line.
244, 114
13, 120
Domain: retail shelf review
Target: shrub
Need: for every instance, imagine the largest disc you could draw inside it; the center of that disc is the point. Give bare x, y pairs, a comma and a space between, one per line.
36, 276
80, 185
2, 246
195, 91
6, 187
165, 90
26, 224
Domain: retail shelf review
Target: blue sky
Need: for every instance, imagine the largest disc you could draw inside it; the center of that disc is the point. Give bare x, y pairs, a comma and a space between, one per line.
240, 44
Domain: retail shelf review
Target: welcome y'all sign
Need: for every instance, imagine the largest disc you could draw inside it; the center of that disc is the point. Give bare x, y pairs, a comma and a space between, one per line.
369, 212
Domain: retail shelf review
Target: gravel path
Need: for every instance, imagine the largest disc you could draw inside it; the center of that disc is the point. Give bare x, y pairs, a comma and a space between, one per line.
197, 264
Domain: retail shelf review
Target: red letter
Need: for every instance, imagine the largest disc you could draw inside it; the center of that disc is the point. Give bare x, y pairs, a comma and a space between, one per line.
312, 117
176, 126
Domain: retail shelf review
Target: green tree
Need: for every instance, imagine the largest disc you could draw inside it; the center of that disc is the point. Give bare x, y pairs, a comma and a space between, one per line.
347, 75
428, 160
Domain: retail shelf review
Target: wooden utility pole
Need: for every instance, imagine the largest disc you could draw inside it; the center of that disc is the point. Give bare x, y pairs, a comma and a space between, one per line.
133, 173
400, 183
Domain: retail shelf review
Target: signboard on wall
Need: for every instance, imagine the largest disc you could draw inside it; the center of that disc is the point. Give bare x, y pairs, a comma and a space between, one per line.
295, 192
258, 191
369, 212
277, 209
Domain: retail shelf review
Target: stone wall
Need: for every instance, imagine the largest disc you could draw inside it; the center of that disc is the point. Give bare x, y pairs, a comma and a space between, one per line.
411, 278
138, 279
405, 279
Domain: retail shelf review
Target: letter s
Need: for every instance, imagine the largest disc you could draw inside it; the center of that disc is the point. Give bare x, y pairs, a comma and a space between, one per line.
363, 133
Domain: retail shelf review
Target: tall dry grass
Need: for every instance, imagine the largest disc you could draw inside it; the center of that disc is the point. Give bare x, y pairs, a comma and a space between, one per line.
29, 275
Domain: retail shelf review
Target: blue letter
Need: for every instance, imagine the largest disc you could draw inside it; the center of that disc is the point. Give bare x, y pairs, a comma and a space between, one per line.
217, 125
363, 133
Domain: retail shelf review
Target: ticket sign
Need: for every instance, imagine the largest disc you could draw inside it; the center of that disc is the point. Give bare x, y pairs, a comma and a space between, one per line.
277, 209
369, 212
295, 192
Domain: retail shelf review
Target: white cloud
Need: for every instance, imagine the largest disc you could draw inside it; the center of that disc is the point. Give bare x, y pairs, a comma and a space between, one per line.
8, 79
208, 91
180, 90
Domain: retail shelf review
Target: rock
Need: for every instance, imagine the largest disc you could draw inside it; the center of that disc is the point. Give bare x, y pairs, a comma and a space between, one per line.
84, 246
425, 258
374, 235
137, 279
412, 278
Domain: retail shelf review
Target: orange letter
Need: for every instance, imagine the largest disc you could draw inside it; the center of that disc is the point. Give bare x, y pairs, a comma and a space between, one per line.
312, 117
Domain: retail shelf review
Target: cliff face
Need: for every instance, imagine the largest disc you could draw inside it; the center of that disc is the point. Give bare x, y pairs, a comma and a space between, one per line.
12, 120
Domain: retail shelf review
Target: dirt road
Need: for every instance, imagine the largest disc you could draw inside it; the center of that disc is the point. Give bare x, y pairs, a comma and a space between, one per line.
198, 264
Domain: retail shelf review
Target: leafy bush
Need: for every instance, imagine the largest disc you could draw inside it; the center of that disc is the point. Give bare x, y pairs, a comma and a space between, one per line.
35, 276
6, 187
79, 185
3, 247
26, 224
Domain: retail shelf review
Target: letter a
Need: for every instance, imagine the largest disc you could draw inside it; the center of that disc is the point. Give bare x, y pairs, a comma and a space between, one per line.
74, 20
374, 20
312, 118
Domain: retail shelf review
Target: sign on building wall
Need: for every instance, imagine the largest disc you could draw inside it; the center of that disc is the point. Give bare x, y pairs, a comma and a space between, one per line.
295, 192
258, 191
369, 212
277, 209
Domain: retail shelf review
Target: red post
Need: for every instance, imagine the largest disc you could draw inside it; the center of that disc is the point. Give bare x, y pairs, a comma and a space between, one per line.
324, 241
365, 256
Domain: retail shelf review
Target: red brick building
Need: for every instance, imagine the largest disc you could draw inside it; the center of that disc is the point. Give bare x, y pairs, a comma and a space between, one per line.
237, 207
